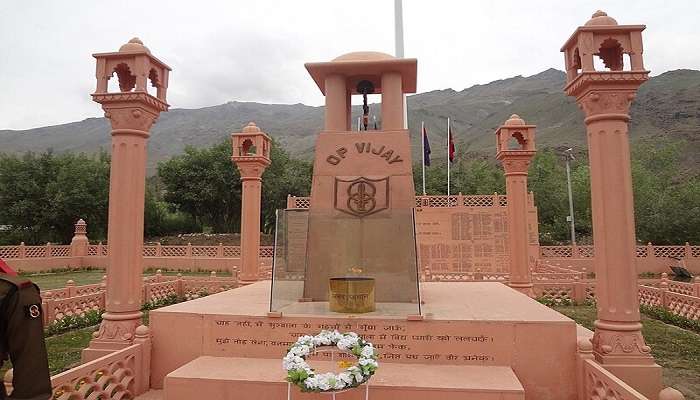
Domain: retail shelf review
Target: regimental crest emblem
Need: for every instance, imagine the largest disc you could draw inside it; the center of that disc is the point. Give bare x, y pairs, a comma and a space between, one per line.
362, 196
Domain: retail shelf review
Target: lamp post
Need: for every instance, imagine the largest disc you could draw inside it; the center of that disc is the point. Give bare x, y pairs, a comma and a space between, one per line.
568, 157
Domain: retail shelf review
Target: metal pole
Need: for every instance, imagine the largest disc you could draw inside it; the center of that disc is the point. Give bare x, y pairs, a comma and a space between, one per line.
448, 160
422, 146
571, 199
398, 48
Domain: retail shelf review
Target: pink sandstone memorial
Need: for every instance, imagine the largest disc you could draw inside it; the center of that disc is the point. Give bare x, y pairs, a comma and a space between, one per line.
483, 340
350, 261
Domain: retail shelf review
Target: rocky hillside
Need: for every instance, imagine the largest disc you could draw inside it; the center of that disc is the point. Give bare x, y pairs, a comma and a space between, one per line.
667, 105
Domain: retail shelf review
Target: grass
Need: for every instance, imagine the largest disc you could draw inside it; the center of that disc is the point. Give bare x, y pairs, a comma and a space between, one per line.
57, 280
676, 350
64, 350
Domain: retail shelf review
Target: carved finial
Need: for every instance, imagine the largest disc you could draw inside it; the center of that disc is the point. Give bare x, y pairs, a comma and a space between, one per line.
584, 345
601, 18
251, 127
671, 394
142, 331
134, 45
514, 120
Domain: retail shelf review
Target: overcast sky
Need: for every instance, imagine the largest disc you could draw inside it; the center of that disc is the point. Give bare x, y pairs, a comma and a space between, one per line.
255, 50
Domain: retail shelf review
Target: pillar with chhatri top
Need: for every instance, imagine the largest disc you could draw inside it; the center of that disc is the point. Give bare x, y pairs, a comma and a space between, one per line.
605, 97
131, 110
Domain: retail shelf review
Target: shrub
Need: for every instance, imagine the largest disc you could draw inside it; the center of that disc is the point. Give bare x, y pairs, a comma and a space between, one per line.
670, 318
72, 322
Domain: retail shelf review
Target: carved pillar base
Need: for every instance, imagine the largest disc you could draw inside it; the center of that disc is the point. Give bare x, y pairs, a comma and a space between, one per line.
524, 288
116, 332
621, 349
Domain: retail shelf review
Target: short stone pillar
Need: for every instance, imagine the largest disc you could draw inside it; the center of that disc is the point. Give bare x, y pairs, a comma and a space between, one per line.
605, 98
131, 111
251, 154
79, 243
515, 148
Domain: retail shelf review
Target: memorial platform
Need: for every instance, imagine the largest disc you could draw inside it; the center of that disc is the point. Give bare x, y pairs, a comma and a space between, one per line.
242, 378
484, 324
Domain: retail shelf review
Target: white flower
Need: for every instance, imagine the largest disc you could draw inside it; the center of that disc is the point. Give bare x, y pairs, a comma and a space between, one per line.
368, 361
367, 351
311, 382
300, 350
348, 341
345, 377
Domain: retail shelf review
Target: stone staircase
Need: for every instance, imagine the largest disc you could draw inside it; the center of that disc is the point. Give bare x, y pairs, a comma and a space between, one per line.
209, 377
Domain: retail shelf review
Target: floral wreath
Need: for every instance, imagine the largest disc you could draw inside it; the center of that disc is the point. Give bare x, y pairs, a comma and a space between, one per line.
302, 375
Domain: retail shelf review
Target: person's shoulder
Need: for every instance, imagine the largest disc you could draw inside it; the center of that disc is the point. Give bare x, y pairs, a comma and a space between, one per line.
16, 281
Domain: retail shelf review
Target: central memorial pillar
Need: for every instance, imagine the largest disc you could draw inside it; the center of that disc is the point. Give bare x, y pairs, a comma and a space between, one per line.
360, 222
605, 97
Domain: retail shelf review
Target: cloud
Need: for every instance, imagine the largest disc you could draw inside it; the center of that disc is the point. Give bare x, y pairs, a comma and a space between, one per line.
255, 51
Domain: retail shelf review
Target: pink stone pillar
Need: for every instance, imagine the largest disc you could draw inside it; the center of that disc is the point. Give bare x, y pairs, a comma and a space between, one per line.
79, 243
515, 149
336, 103
251, 162
392, 102
605, 98
131, 114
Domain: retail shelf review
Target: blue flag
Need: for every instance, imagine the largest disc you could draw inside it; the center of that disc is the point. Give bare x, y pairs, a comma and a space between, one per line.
426, 148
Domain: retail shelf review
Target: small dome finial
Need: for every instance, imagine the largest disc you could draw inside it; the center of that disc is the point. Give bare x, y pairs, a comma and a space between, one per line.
251, 127
514, 120
601, 18
133, 45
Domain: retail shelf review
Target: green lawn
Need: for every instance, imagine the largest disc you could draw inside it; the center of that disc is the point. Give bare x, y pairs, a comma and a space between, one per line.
57, 280
675, 349
64, 350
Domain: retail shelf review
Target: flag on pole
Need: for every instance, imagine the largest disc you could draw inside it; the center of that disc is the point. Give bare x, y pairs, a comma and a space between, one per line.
451, 145
426, 148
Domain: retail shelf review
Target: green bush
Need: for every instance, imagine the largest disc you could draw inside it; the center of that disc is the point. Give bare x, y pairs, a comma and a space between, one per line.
72, 322
550, 302
166, 301
670, 318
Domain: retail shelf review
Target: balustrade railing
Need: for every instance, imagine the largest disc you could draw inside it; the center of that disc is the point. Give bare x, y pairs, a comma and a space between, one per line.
101, 250
75, 300
600, 383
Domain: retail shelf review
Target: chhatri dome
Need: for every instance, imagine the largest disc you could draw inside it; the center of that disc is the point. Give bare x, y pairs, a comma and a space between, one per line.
601, 18
134, 45
514, 120
364, 56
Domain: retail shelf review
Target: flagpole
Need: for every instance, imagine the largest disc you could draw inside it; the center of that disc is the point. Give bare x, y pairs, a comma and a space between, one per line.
398, 48
422, 141
448, 159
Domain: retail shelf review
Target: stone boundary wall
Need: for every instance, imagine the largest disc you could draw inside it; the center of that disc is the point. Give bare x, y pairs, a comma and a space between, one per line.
187, 257
650, 258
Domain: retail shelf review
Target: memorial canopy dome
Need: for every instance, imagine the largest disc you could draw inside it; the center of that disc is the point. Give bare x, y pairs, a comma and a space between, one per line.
365, 65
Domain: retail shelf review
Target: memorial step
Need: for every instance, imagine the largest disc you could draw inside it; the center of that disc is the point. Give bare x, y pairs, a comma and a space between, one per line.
226, 378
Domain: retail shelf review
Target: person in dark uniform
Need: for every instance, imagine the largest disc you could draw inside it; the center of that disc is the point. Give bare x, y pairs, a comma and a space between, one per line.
22, 338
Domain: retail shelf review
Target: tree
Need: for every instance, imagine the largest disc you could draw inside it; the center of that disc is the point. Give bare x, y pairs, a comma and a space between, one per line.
42, 196
205, 184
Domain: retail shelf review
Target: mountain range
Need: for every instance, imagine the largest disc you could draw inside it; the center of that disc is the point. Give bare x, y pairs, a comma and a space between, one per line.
668, 105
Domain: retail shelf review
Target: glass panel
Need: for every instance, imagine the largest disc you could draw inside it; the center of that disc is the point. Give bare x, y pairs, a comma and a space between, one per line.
289, 259
329, 262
